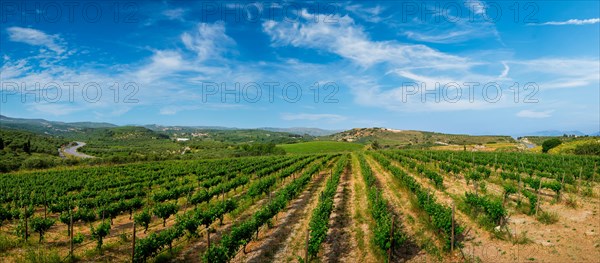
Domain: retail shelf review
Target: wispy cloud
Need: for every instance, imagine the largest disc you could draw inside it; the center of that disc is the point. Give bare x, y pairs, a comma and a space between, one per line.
349, 40
555, 73
311, 117
208, 41
36, 37
476, 6
442, 36
534, 114
175, 14
578, 22
504, 73
370, 14
446, 28
172, 110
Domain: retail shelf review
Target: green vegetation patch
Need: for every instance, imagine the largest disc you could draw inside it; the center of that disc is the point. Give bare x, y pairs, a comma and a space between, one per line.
321, 147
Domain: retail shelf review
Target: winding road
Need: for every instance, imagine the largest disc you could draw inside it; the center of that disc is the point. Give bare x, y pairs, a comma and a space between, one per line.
72, 150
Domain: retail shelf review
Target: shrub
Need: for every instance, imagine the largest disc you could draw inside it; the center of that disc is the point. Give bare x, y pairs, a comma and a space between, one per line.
547, 217
78, 239
7, 243
549, 144
37, 163
42, 256
571, 202
592, 148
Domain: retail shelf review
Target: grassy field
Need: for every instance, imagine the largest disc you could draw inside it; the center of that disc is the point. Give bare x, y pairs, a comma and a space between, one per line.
321, 147
489, 147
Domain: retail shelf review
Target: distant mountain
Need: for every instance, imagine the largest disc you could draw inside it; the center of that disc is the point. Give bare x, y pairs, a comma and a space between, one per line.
189, 129
302, 131
49, 127
180, 129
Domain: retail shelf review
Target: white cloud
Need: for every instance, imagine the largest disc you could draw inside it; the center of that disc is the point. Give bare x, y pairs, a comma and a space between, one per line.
440, 36
175, 14
208, 41
371, 14
36, 37
12, 69
162, 63
534, 114
476, 6
571, 22
504, 73
311, 117
445, 28
350, 41
554, 73
369, 92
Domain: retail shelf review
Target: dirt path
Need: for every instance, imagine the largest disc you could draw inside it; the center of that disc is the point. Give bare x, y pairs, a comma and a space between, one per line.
194, 251
272, 242
340, 244
295, 245
361, 232
420, 238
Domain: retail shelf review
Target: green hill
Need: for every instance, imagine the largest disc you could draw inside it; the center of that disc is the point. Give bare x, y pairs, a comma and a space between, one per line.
22, 149
390, 138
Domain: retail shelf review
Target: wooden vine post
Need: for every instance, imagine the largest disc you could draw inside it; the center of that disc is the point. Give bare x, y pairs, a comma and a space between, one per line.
45, 205
71, 234
579, 179
452, 239
495, 160
594, 172
562, 186
537, 192
391, 241
519, 194
133, 244
26, 226
208, 237
306, 248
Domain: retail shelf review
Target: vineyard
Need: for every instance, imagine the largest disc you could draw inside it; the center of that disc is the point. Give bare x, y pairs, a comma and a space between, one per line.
363, 206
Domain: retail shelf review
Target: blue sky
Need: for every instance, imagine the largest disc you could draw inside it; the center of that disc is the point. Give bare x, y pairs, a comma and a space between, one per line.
395, 64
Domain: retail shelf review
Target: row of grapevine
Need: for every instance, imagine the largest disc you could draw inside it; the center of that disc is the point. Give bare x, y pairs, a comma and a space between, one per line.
319, 221
241, 233
380, 211
492, 207
436, 179
108, 192
440, 215
191, 220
